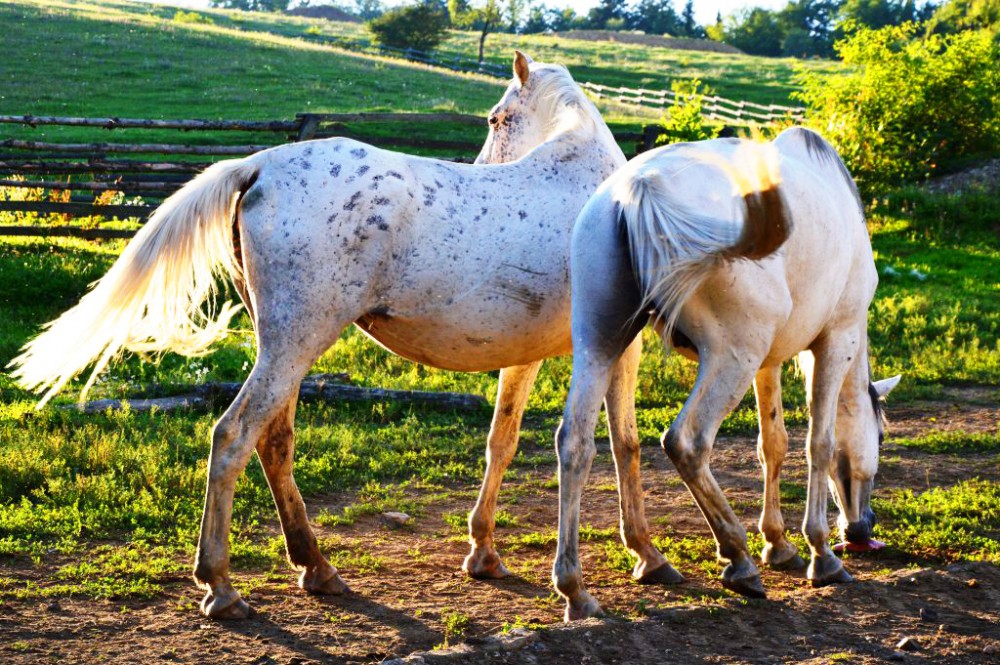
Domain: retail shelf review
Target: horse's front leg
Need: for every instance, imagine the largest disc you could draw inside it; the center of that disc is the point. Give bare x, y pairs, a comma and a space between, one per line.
772, 446
832, 354
652, 567
276, 449
483, 562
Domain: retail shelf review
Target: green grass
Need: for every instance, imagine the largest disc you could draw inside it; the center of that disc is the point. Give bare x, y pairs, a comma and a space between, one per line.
739, 77
117, 492
954, 442
959, 522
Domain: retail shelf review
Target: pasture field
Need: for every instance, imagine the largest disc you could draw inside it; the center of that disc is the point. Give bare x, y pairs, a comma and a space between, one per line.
137, 60
99, 514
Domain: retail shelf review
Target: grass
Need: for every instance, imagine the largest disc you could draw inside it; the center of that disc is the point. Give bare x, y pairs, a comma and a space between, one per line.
739, 77
119, 494
959, 522
954, 442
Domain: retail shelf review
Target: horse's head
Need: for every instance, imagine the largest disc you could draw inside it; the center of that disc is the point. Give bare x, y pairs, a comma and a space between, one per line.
538, 100
860, 431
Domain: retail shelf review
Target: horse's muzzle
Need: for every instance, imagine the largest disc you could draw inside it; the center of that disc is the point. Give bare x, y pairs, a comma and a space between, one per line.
860, 532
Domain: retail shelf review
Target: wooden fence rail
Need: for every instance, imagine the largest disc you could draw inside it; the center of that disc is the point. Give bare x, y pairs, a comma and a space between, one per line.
80, 179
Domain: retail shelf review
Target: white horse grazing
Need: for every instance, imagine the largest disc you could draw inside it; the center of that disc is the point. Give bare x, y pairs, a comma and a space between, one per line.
463, 267
741, 282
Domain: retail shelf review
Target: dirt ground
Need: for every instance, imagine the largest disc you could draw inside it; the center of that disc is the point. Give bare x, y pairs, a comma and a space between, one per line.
951, 612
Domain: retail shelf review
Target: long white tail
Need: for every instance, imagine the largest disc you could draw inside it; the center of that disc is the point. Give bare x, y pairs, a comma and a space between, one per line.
152, 297
675, 246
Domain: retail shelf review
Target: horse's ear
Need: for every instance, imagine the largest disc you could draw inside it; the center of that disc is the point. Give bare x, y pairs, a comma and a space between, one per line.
521, 62
883, 387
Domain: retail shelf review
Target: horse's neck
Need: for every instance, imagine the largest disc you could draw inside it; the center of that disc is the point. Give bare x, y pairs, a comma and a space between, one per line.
589, 151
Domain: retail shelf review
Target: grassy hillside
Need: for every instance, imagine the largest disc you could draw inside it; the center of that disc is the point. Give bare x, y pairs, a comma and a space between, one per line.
92, 58
79, 58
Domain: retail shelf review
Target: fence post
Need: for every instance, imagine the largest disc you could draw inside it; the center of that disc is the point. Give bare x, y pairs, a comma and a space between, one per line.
649, 135
307, 130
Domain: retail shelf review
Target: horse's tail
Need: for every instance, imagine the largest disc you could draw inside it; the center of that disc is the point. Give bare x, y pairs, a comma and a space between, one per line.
675, 247
152, 298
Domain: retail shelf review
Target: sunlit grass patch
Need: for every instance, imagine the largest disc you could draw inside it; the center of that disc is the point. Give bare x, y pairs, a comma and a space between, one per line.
953, 442
943, 523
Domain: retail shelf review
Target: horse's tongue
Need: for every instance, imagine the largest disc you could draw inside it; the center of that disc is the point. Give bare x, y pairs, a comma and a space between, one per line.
870, 545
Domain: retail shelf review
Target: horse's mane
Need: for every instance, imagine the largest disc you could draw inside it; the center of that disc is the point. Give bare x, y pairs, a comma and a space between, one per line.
562, 102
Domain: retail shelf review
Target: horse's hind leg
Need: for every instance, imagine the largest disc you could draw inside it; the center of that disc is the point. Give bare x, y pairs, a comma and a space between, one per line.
772, 445
721, 384
276, 450
515, 385
262, 401
652, 567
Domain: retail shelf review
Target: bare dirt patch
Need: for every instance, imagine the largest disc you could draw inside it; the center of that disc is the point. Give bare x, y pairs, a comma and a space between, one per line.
951, 611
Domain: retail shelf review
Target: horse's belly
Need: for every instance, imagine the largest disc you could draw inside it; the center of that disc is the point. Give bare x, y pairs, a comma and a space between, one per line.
470, 348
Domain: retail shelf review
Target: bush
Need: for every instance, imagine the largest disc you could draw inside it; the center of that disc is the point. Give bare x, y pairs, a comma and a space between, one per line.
907, 107
421, 27
684, 121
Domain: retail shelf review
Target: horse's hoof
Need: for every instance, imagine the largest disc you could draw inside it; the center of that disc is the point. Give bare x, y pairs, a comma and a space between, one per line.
328, 585
583, 608
751, 587
793, 564
785, 559
225, 608
826, 571
486, 566
664, 574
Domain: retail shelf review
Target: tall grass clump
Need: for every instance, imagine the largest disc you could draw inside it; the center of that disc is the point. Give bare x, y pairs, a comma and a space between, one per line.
907, 107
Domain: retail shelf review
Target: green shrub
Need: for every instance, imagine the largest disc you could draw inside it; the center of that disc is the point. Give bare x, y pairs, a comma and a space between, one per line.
182, 16
907, 107
421, 27
684, 120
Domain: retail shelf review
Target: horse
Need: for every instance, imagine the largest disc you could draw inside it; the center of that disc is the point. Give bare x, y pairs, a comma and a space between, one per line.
742, 255
457, 266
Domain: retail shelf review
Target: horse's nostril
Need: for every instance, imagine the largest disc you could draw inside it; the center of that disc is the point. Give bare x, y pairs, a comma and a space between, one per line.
494, 121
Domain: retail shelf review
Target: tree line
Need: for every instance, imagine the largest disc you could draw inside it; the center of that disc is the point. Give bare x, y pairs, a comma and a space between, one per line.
803, 28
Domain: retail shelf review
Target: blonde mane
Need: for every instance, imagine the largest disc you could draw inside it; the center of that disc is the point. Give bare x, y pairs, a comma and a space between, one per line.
563, 103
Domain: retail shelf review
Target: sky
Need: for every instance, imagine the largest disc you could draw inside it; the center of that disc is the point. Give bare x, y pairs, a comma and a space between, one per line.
704, 10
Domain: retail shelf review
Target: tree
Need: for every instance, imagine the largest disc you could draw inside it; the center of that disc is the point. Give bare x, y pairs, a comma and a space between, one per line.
484, 17
878, 13
368, 9
689, 25
537, 20
654, 17
809, 27
959, 15
756, 31
515, 14
717, 31
562, 20
606, 10
421, 27
253, 5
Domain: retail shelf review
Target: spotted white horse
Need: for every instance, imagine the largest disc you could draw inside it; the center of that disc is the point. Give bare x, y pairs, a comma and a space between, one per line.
745, 255
463, 267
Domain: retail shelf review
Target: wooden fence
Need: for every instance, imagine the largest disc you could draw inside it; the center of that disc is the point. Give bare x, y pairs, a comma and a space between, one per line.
103, 181
713, 107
